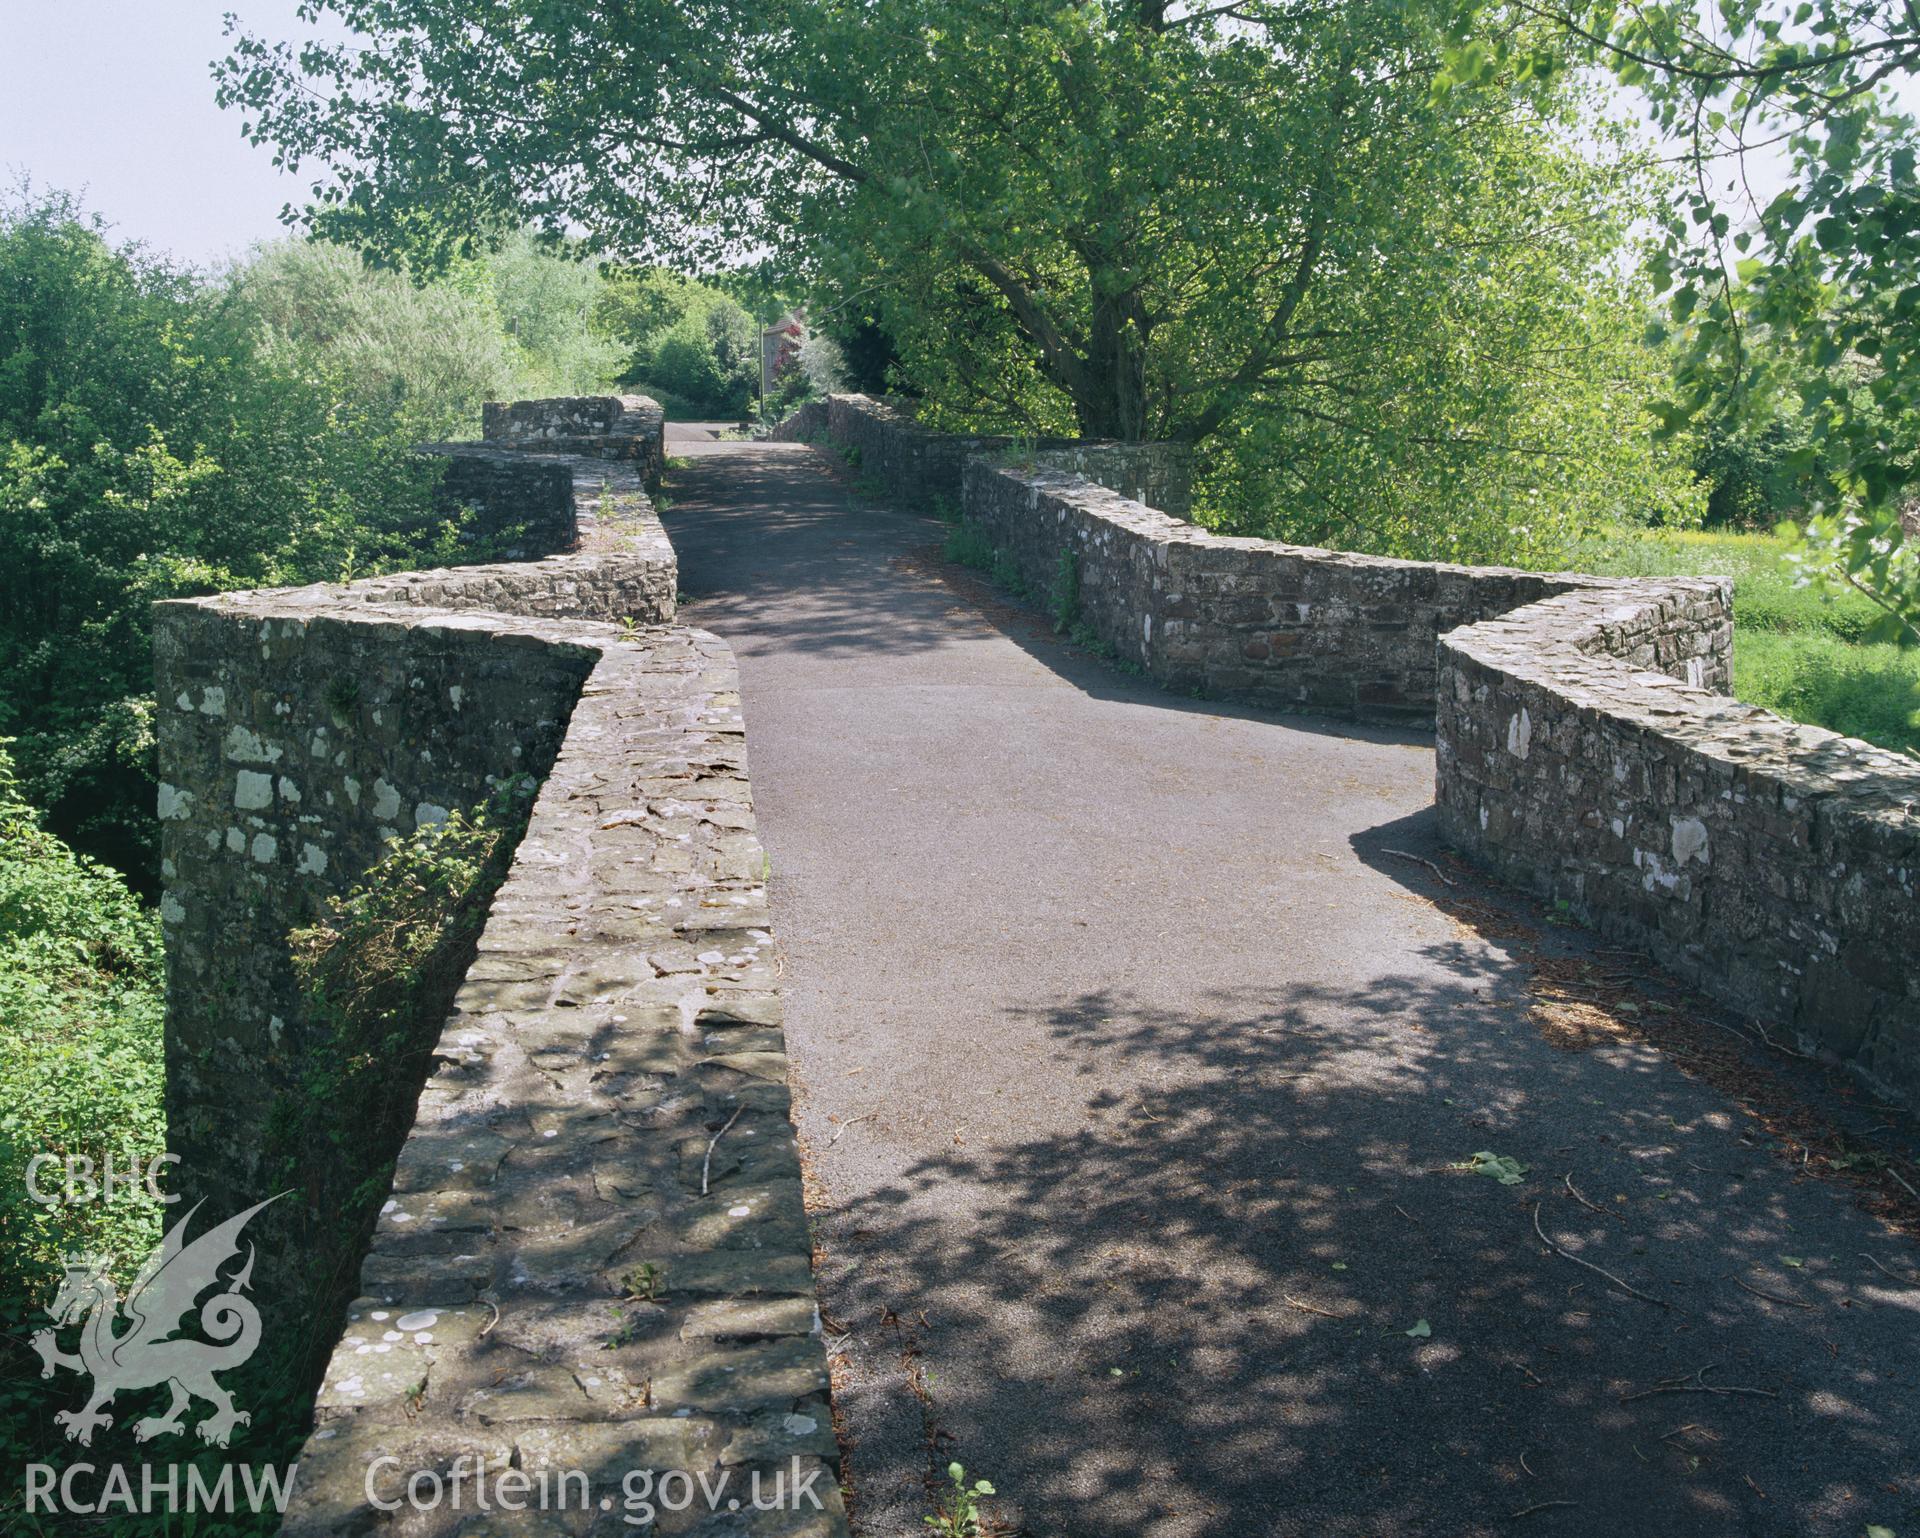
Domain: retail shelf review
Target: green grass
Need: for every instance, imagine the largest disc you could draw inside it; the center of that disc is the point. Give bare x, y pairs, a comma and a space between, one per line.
1870, 691
1795, 651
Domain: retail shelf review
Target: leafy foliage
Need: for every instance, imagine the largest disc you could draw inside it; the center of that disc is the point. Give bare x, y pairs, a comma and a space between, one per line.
1825, 274
683, 339
517, 322
80, 1049
163, 435
957, 1509
150, 447
81, 1074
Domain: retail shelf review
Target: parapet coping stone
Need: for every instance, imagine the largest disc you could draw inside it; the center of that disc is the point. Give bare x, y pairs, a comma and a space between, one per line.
610, 1093
615, 516
1129, 515
1556, 645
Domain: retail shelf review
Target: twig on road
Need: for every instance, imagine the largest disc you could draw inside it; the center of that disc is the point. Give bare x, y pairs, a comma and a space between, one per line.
1771, 1297
1583, 1201
1597, 1271
1420, 859
1904, 1281
1695, 1383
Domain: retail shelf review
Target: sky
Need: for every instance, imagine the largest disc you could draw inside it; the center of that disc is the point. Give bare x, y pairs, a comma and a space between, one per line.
113, 98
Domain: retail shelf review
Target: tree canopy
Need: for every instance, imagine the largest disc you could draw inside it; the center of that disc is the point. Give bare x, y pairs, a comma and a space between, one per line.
1809, 293
1161, 214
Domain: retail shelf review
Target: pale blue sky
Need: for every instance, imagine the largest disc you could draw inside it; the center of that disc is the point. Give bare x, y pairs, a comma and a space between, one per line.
114, 96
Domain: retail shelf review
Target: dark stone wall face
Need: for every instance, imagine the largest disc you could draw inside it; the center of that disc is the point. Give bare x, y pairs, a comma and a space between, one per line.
601, 426
292, 746
520, 507
807, 423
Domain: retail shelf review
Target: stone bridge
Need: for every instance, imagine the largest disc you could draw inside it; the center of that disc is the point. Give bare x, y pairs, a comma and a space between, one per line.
1105, 1115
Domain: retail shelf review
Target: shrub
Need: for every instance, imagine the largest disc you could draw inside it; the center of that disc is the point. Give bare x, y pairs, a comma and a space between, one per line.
425, 355
1756, 475
81, 1073
685, 339
161, 436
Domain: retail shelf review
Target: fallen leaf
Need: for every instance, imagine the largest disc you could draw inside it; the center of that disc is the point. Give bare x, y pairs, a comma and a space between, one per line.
1421, 1330
1504, 1168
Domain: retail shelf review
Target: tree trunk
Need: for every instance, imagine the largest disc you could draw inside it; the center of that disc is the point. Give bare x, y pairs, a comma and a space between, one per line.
1113, 401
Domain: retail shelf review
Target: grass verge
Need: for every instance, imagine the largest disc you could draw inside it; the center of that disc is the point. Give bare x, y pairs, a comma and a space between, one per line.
1806, 656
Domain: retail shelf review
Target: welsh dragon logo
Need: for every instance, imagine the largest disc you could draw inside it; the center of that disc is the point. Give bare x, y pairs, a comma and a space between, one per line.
146, 1353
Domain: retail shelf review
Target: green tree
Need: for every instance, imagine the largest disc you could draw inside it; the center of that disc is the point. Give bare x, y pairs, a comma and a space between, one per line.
521, 319
427, 355
1824, 274
81, 1064
152, 444
548, 298
689, 339
1165, 215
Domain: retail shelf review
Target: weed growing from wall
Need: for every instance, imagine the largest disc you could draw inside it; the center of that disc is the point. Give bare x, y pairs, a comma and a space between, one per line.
1063, 597
966, 544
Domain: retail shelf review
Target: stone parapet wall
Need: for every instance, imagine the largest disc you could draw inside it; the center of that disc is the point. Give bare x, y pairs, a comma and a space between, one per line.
517, 506
1284, 626
807, 423
1157, 474
621, 566
595, 1256
595, 1239
924, 468
1771, 863
297, 732
603, 426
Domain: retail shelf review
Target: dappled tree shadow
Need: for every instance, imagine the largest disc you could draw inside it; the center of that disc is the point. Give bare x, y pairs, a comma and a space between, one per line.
1193, 1316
